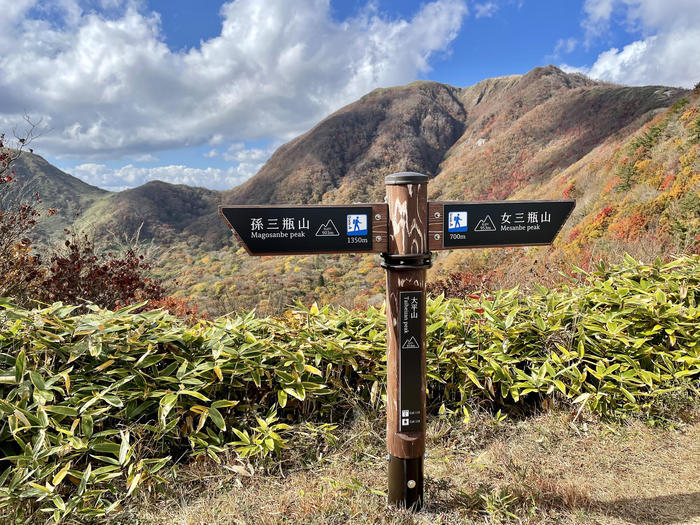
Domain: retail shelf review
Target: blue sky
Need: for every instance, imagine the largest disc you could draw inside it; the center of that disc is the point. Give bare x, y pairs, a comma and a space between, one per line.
202, 92
508, 38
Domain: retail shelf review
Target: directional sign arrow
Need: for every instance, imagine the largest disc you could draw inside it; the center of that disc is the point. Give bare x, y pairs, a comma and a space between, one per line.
454, 225
295, 230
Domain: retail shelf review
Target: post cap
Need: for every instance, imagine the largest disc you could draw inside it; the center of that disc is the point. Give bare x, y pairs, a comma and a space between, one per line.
405, 177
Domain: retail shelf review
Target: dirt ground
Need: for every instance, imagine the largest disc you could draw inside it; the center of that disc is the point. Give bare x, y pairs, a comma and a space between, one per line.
543, 470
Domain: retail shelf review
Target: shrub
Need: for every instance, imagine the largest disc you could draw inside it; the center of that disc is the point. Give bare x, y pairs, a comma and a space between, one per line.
695, 131
20, 269
461, 285
95, 406
77, 273
628, 174
178, 307
649, 139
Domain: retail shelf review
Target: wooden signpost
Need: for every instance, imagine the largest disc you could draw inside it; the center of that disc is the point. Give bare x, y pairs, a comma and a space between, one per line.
404, 230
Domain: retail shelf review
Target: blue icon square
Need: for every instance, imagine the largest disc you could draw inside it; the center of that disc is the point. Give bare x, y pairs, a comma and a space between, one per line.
457, 221
357, 224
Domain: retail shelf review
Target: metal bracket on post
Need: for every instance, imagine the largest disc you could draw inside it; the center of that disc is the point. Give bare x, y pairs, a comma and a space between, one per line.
419, 261
406, 482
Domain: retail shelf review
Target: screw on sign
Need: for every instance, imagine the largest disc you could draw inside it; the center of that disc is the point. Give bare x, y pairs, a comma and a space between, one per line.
406, 252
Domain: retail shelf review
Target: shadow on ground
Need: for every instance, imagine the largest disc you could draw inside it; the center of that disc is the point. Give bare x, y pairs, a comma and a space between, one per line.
676, 508
658, 510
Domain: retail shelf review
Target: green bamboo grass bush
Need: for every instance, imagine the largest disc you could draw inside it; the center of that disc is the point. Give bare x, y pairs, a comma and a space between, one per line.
96, 406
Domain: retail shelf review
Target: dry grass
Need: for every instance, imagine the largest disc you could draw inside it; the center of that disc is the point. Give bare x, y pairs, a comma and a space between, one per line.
542, 470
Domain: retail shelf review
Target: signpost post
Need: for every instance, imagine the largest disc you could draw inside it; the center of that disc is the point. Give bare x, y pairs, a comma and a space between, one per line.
406, 262
405, 230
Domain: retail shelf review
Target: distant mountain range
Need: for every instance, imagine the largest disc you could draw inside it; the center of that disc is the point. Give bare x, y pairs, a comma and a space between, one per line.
545, 134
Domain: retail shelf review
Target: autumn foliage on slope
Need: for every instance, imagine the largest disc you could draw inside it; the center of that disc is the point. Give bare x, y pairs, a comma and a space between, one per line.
76, 273
636, 194
648, 190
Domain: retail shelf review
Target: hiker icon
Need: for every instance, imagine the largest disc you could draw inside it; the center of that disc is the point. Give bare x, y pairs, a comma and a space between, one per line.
457, 221
357, 224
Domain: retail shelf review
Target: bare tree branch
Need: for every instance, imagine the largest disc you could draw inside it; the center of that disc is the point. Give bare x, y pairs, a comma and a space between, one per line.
10, 152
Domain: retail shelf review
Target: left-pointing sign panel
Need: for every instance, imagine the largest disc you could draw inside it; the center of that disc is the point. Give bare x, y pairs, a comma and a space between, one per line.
290, 230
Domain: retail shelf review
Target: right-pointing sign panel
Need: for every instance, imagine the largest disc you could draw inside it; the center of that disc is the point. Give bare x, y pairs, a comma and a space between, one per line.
505, 223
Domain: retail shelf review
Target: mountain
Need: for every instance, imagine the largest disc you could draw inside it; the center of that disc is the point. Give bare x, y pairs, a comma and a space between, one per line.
519, 128
160, 211
68, 195
346, 156
545, 122
629, 155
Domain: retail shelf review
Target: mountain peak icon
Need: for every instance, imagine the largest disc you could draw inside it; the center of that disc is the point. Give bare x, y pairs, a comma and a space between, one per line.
411, 344
327, 229
485, 225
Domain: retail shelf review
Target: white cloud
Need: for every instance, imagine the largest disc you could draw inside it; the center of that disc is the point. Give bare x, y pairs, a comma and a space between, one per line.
650, 15
109, 87
597, 20
111, 4
567, 68
565, 45
130, 176
646, 16
145, 157
236, 146
235, 154
666, 59
211, 154
216, 139
667, 53
485, 10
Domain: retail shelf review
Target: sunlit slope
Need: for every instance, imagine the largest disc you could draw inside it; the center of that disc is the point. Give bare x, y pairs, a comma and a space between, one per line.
636, 192
66, 194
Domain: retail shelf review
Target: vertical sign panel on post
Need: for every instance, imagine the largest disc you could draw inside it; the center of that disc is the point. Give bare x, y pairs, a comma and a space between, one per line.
411, 340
